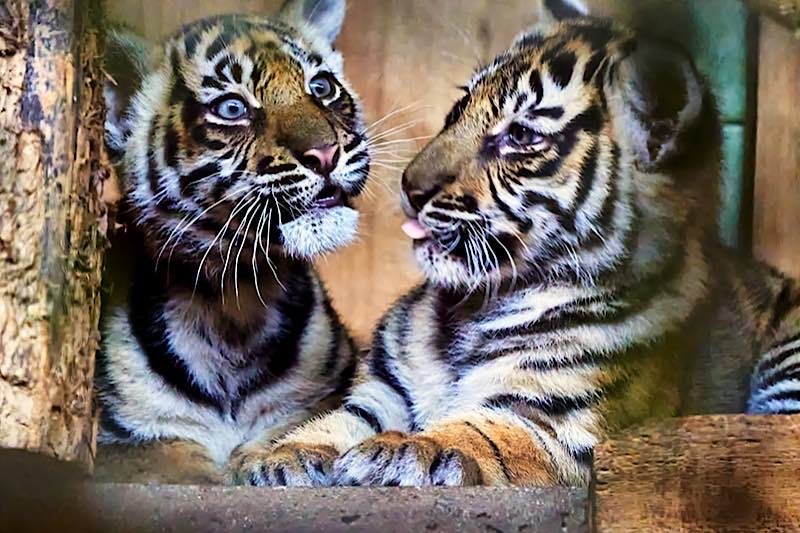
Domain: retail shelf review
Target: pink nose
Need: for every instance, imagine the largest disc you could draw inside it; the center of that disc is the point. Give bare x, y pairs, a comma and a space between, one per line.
321, 160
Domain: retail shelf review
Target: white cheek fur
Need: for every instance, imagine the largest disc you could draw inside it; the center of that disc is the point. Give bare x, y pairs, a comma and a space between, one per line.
320, 232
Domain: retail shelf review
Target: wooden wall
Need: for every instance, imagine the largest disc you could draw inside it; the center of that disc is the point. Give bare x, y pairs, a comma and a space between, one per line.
414, 52
776, 215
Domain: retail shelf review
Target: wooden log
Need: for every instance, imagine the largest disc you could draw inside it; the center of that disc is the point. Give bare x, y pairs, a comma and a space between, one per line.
713, 473
787, 12
52, 224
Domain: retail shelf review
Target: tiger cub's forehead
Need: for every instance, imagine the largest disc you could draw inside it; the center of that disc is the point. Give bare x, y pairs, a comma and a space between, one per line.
570, 51
241, 50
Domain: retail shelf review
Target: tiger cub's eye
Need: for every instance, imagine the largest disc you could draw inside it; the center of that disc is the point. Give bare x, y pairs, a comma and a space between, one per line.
322, 86
232, 108
522, 136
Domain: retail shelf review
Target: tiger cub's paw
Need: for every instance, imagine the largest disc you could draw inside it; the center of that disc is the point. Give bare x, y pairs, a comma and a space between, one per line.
288, 465
394, 459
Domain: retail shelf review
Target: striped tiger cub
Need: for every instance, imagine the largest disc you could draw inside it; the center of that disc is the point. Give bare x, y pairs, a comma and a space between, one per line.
565, 220
241, 146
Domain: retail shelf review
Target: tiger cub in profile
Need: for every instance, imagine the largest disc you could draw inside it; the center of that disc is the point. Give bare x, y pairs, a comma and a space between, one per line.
565, 220
241, 146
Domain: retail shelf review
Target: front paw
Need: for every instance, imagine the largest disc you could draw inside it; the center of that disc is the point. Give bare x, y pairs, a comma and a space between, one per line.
394, 459
288, 465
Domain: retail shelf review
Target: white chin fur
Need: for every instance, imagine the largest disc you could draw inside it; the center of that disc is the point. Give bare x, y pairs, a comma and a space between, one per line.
320, 232
444, 271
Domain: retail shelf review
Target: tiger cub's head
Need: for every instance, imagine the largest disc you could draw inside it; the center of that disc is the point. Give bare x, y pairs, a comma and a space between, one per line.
240, 133
586, 150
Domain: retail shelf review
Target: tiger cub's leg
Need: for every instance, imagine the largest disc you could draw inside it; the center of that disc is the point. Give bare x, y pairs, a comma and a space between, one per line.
482, 447
775, 388
305, 456
164, 462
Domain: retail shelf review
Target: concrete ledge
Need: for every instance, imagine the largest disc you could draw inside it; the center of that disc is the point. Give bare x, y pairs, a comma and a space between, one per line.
40, 494
213, 509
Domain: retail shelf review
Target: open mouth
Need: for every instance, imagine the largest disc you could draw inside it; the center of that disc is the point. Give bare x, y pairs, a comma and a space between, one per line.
329, 197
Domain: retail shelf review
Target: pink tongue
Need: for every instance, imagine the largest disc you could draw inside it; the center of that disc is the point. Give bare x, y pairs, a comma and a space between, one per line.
415, 230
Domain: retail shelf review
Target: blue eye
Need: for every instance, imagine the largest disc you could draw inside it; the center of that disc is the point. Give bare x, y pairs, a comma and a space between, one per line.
232, 108
322, 86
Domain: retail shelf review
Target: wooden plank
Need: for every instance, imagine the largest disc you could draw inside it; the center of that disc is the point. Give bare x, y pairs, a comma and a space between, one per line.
787, 12
717, 473
52, 235
777, 185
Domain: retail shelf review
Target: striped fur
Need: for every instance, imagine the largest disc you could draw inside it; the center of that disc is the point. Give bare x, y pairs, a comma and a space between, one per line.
226, 335
576, 286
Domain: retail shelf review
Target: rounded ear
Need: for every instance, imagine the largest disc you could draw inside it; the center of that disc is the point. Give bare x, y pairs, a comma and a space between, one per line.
663, 96
127, 62
553, 11
324, 17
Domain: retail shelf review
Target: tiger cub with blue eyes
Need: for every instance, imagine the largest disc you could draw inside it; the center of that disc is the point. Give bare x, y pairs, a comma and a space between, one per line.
565, 219
240, 146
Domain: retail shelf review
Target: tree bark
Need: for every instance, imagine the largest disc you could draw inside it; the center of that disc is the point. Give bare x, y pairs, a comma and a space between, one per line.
52, 224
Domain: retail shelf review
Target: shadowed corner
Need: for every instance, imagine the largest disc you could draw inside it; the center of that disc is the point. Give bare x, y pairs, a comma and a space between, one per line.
38, 493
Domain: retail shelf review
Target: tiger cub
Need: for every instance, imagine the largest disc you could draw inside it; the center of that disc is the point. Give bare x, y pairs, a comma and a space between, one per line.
241, 147
565, 220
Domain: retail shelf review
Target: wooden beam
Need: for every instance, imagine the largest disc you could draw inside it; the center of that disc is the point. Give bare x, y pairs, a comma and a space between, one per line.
787, 12
713, 473
52, 236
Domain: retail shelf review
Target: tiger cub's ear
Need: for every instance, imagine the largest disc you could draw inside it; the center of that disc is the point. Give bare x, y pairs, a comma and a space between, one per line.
552, 11
662, 98
323, 17
127, 62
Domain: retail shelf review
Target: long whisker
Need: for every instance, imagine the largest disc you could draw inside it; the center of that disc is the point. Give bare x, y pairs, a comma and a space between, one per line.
252, 204
219, 235
247, 225
192, 223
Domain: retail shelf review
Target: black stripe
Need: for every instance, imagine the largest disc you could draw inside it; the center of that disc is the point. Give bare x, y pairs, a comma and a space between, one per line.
523, 224
587, 178
153, 174
786, 303
498, 454
357, 158
379, 356
537, 87
189, 182
457, 111
779, 358
787, 396
336, 330
150, 330
216, 46
236, 72
553, 113
212, 83
784, 342
277, 169
171, 146
379, 368
352, 145
280, 353
562, 67
365, 415
592, 65
550, 406
583, 456
791, 372
551, 204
